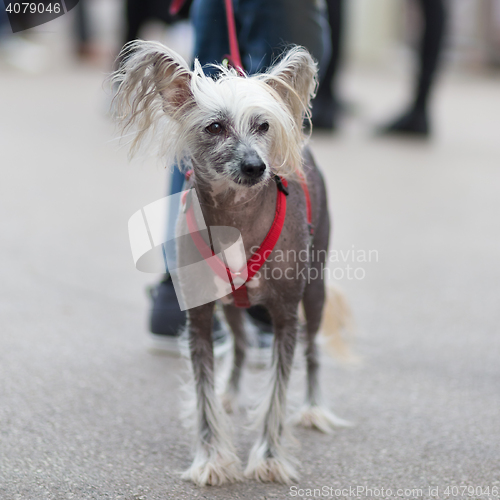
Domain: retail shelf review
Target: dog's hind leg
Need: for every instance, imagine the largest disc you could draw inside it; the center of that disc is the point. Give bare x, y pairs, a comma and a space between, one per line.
313, 413
267, 460
215, 460
234, 317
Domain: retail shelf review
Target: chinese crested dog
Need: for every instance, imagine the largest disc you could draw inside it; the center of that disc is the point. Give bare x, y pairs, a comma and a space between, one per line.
243, 136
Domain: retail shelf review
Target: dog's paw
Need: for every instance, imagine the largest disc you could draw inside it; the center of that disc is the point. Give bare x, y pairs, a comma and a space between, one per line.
266, 468
221, 468
318, 417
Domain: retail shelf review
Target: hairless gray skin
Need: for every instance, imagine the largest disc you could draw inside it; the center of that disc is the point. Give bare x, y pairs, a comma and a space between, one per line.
238, 132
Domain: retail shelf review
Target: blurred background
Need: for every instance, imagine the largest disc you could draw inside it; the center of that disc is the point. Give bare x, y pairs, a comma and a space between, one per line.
86, 410
378, 34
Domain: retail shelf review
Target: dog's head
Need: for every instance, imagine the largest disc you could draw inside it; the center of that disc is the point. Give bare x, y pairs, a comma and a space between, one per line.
239, 129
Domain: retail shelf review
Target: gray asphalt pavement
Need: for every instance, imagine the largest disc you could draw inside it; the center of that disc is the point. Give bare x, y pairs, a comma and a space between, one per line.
86, 412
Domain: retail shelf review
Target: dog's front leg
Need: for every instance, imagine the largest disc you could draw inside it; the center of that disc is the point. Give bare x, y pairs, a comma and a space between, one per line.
268, 461
215, 460
234, 317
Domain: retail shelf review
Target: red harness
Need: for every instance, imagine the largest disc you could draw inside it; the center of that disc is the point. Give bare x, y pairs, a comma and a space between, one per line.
257, 259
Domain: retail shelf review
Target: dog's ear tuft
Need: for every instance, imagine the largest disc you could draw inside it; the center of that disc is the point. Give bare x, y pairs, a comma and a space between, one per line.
294, 79
152, 81
149, 70
173, 82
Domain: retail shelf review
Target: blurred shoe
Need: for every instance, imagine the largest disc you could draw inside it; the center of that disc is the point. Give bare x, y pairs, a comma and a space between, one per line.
178, 345
167, 334
166, 317
413, 123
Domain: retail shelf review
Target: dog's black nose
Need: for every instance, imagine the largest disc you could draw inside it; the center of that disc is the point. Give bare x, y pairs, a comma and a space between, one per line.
253, 167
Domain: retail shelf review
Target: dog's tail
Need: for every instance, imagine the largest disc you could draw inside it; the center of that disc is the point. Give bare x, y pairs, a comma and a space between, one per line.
338, 326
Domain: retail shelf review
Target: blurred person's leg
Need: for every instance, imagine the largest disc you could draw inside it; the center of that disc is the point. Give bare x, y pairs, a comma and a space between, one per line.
136, 13
430, 49
82, 22
416, 120
326, 104
211, 42
307, 25
267, 27
259, 25
85, 49
4, 22
166, 318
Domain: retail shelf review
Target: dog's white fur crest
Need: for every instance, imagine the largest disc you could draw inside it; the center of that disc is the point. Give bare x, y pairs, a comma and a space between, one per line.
164, 102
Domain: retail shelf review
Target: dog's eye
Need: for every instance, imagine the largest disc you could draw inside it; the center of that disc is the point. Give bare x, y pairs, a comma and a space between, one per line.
215, 128
263, 127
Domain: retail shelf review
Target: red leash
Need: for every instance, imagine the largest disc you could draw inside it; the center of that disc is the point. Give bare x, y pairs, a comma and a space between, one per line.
234, 50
